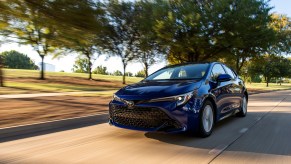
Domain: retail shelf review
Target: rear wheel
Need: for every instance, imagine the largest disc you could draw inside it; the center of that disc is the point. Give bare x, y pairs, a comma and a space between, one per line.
244, 107
206, 119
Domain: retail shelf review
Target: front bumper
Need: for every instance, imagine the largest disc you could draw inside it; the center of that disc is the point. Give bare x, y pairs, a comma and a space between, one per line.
166, 117
143, 118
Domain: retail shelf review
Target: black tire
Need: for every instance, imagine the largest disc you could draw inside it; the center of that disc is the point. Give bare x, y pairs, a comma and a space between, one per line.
201, 131
242, 112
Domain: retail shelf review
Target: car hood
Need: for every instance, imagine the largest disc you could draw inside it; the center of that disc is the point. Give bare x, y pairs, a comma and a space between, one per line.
157, 89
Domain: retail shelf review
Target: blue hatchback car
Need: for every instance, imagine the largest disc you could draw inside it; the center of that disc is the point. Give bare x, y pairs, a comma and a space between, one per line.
186, 97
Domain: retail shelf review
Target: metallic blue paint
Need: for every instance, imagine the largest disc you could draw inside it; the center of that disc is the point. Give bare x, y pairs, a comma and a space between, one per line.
226, 96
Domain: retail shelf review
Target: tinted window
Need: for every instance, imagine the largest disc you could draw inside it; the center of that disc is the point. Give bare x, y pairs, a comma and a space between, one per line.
229, 71
164, 75
191, 71
216, 71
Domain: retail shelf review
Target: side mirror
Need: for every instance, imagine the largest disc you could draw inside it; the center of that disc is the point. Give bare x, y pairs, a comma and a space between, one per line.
224, 78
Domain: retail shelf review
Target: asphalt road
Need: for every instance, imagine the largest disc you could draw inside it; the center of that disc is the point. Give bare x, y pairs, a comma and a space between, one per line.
264, 136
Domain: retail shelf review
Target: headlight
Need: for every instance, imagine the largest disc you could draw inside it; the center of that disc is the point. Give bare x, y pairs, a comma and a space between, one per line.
116, 98
180, 99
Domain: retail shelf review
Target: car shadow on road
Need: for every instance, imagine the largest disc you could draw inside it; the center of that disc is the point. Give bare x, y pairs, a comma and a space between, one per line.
270, 136
189, 140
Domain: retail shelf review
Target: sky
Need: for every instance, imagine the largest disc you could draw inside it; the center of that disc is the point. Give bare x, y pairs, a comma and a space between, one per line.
114, 63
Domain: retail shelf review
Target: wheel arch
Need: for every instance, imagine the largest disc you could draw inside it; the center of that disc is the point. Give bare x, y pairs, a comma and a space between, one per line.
212, 100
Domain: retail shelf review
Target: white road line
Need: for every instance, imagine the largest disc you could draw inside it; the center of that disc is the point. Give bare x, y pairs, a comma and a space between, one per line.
259, 118
243, 130
217, 150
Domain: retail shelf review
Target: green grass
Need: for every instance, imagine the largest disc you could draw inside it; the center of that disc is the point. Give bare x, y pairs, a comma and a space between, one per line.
36, 74
19, 81
51, 87
272, 86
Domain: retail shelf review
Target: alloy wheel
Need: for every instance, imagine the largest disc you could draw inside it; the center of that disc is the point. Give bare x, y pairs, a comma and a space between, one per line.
207, 118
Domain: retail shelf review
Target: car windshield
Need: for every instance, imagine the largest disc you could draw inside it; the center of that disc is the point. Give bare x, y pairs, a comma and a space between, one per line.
184, 72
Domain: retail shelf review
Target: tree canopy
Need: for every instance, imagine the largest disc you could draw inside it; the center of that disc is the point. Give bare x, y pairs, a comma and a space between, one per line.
16, 60
209, 30
28, 26
81, 65
270, 66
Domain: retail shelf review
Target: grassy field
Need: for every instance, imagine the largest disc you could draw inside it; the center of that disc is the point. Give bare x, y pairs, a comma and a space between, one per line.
261, 87
26, 81
19, 73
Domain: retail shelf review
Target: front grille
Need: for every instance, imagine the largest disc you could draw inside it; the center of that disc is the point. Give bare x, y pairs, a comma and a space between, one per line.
142, 117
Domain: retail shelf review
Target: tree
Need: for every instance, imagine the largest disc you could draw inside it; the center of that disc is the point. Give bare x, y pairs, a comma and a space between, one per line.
208, 30
84, 27
3, 25
81, 65
270, 66
117, 73
140, 74
148, 48
30, 27
281, 24
122, 34
247, 31
190, 31
17, 60
272, 40
101, 70
88, 51
283, 65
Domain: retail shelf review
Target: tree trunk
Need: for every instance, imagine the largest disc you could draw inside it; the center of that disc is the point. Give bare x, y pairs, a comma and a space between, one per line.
237, 65
89, 67
267, 80
123, 77
146, 69
42, 68
1, 73
192, 57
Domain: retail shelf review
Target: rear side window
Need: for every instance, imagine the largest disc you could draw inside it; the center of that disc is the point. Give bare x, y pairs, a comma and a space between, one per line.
216, 71
229, 71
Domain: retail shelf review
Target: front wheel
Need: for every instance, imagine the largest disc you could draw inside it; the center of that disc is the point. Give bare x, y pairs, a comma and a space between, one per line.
206, 119
244, 107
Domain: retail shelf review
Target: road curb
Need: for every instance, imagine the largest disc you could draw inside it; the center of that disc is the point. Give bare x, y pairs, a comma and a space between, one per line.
21, 131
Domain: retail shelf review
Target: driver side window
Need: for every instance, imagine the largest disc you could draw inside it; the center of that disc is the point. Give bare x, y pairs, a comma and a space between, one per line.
216, 71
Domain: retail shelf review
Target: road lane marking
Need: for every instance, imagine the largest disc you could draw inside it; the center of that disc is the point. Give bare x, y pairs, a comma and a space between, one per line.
250, 127
243, 130
259, 118
217, 150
